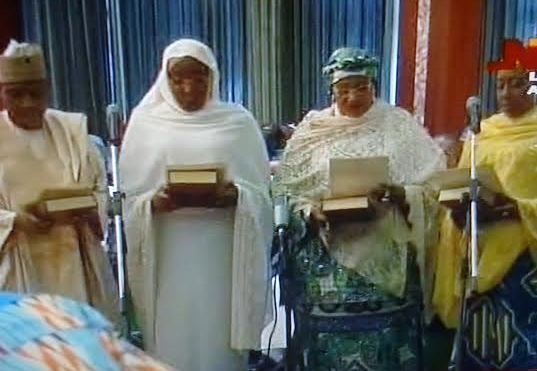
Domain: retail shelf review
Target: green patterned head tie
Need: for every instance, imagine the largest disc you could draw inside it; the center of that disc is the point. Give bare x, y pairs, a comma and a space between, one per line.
352, 60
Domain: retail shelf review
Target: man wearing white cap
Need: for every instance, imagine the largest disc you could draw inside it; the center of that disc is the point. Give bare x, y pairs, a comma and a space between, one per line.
44, 149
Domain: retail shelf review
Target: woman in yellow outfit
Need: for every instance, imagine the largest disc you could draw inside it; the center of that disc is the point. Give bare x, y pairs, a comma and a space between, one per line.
501, 325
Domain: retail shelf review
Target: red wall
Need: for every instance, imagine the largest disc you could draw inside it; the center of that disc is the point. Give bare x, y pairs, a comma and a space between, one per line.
453, 67
453, 70
407, 54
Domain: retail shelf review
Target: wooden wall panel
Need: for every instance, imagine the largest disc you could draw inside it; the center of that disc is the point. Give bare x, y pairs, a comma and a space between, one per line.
454, 62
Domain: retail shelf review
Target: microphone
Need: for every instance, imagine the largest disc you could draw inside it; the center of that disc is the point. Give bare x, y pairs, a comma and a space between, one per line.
473, 110
113, 120
281, 213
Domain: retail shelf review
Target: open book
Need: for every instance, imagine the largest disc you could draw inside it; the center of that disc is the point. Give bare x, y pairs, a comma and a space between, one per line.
58, 200
453, 183
350, 180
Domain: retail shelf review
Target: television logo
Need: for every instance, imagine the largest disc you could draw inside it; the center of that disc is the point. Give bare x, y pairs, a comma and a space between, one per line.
516, 55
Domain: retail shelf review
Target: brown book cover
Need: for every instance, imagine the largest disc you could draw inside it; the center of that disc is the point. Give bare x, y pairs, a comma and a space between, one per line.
347, 208
195, 185
195, 175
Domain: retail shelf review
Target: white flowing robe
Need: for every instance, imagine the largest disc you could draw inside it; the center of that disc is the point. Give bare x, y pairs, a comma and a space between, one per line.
62, 261
199, 276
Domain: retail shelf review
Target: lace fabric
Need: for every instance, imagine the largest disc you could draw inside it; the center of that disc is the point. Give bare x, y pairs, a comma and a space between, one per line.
376, 249
382, 131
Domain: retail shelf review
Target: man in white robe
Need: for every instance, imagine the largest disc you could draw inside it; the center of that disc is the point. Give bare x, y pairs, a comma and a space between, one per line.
44, 149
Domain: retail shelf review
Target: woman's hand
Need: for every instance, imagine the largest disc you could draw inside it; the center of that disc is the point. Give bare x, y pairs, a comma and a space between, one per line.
502, 209
392, 194
164, 202
227, 195
317, 220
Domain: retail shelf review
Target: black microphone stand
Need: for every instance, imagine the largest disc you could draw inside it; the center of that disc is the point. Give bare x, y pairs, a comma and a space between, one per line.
284, 256
116, 212
471, 256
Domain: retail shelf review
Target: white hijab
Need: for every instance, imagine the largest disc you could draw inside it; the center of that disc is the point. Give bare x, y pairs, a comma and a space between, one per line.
160, 133
160, 91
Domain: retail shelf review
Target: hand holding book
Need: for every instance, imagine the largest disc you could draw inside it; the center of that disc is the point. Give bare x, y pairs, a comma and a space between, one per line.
172, 198
490, 209
226, 195
163, 201
390, 195
27, 222
59, 205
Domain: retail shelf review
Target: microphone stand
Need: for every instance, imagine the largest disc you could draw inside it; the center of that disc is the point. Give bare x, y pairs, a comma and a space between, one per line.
286, 280
116, 212
282, 235
470, 259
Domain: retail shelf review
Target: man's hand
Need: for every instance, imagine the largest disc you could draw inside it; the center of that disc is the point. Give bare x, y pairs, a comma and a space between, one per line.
91, 218
29, 223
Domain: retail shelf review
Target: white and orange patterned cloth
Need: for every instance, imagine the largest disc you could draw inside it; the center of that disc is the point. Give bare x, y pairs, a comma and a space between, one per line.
42, 332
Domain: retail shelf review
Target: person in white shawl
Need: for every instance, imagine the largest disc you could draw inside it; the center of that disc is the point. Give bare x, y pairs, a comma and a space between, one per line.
46, 149
199, 275
366, 259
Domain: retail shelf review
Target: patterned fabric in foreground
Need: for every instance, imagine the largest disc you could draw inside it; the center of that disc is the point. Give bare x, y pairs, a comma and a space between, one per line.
52, 333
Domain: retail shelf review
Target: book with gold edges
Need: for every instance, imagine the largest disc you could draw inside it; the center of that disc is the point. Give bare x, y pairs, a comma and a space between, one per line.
350, 181
452, 184
195, 178
57, 200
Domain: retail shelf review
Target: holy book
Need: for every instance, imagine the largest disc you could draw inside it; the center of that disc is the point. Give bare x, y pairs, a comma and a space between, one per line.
60, 200
196, 185
452, 184
350, 181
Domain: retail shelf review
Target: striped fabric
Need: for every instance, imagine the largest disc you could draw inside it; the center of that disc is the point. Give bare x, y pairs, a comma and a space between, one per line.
51, 333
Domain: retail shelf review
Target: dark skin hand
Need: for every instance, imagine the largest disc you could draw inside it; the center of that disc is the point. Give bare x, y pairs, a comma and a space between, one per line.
26, 222
392, 194
168, 200
36, 220
503, 208
385, 193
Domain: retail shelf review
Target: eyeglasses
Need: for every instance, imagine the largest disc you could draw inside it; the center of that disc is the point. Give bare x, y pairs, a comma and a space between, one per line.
358, 90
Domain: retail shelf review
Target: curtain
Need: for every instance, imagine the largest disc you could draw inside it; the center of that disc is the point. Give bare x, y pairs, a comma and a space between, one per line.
147, 27
265, 43
270, 53
322, 26
73, 36
505, 19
